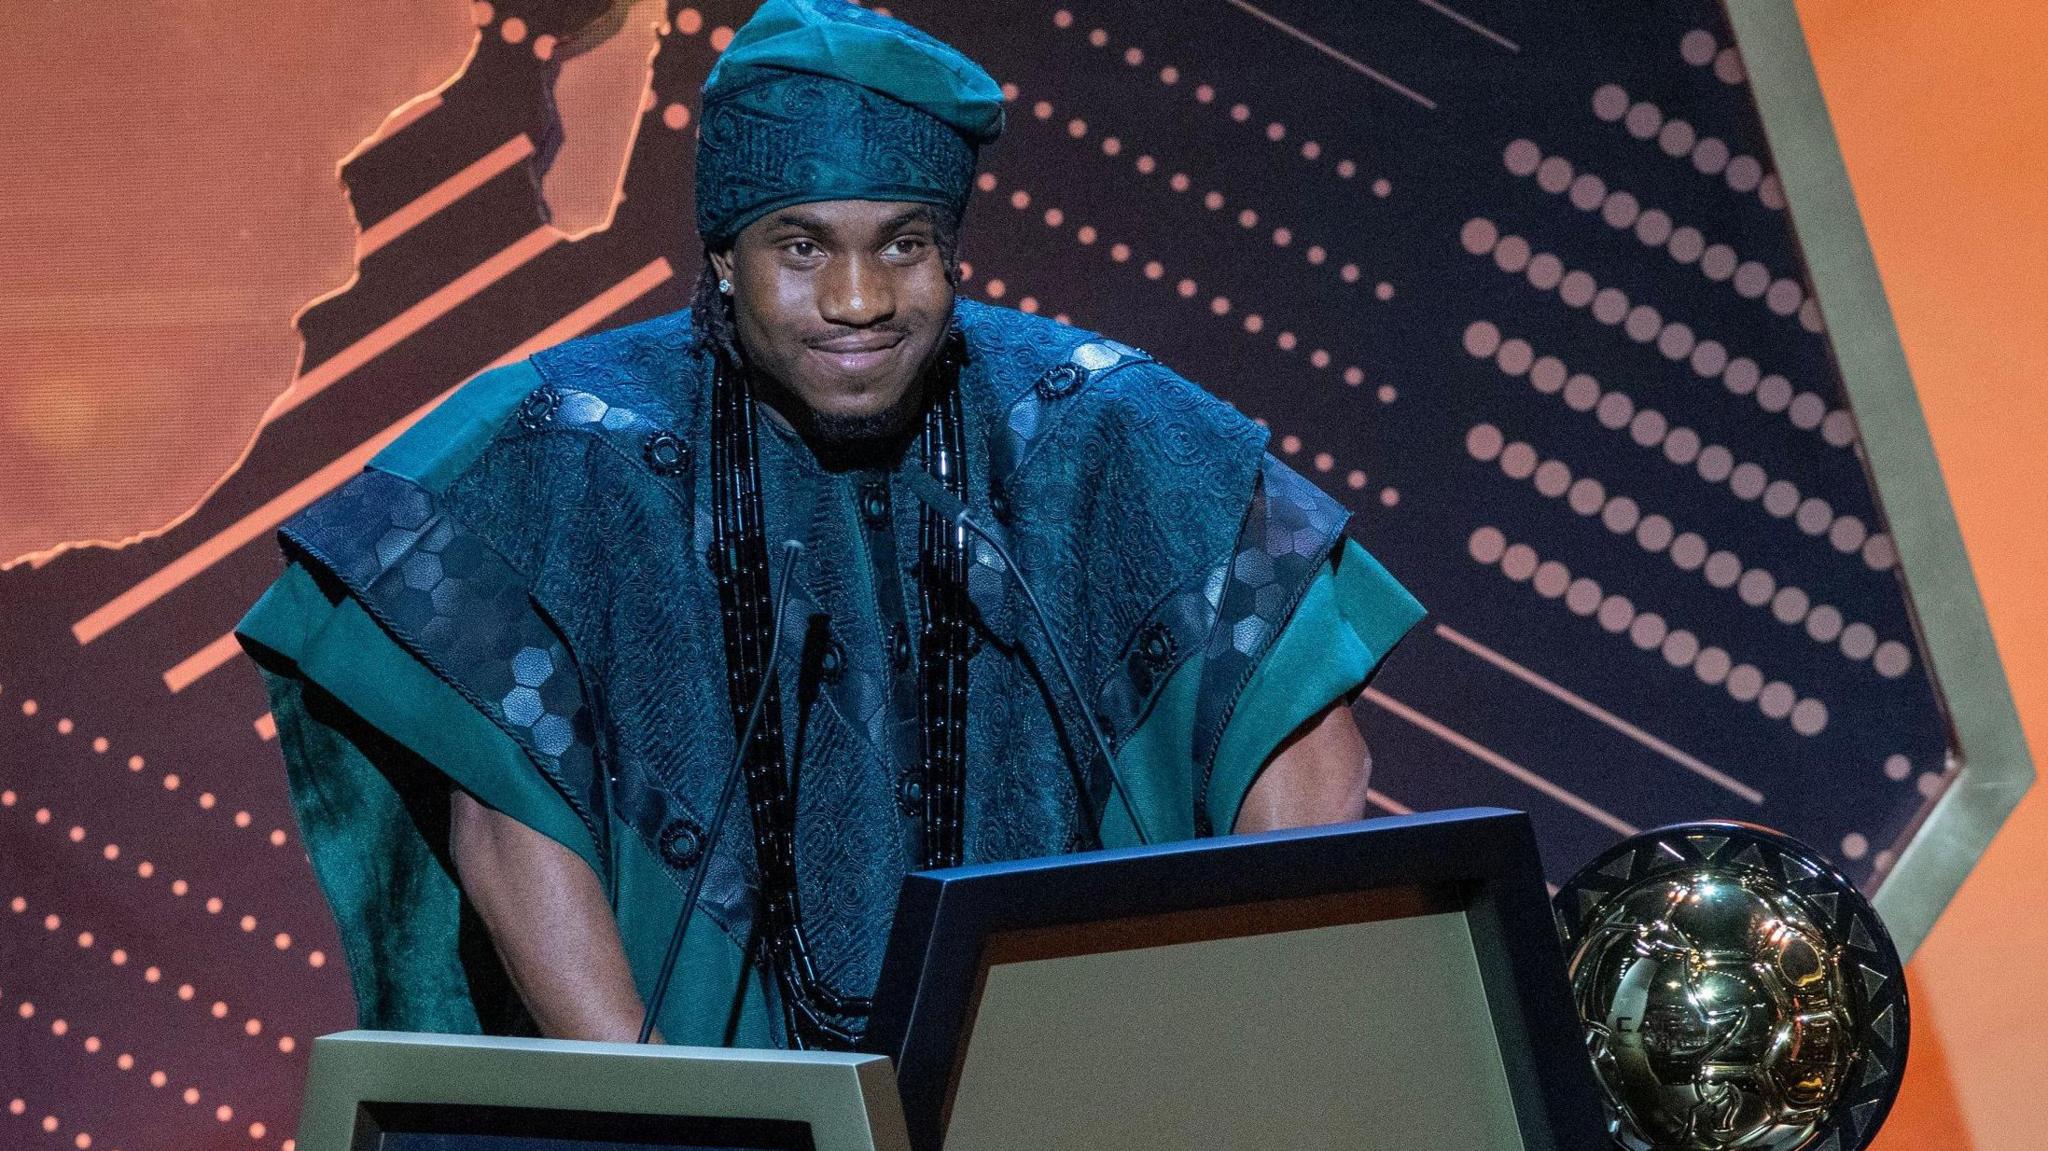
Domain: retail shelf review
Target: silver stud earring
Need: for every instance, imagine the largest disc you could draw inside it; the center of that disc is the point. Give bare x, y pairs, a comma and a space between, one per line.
725, 287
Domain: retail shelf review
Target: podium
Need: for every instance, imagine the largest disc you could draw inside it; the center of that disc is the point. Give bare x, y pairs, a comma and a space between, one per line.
1392, 983
392, 1091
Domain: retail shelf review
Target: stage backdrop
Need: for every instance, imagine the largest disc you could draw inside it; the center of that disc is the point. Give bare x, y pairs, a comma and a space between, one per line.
1514, 280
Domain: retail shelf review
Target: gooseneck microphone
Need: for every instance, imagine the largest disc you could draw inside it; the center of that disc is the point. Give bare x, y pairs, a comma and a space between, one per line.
791, 549
935, 496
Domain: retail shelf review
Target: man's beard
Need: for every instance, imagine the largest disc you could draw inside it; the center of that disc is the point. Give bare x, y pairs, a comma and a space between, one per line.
876, 439
847, 432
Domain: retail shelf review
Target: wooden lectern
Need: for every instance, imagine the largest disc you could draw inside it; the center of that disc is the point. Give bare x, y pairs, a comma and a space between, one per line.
1393, 983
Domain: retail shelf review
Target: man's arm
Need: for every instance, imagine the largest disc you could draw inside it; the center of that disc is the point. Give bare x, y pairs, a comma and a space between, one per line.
1318, 775
551, 924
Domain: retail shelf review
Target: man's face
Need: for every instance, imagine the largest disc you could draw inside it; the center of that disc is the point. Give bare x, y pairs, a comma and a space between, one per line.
843, 305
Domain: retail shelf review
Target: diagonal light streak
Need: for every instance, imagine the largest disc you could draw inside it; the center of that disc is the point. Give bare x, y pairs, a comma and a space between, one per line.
1451, 13
281, 507
1601, 714
1387, 803
1362, 69
454, 188
1501, 763
445, 299
187, 671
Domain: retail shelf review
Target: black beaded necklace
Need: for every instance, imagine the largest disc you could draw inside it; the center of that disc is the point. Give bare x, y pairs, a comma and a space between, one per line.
814, 1014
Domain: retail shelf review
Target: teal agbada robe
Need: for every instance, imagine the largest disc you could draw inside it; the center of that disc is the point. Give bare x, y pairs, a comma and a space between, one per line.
514, 599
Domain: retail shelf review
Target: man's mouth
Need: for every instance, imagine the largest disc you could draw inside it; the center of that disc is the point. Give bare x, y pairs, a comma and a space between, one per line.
858, 353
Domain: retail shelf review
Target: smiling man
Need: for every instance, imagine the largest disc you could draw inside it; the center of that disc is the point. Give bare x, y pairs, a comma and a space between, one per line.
511, 662
841, 348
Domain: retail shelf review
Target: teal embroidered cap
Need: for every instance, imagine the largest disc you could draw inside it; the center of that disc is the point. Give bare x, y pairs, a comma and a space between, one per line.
825, 100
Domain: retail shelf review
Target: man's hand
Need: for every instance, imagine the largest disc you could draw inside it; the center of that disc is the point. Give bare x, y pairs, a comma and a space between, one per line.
551, 924
1318, 775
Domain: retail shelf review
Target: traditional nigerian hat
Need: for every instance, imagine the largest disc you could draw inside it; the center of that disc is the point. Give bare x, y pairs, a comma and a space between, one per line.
824, 100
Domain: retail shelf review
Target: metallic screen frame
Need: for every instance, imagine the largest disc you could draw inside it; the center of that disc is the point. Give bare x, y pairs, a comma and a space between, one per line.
1954, 633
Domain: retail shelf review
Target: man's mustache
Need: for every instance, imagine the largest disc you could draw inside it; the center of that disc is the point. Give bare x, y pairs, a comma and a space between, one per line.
881, 334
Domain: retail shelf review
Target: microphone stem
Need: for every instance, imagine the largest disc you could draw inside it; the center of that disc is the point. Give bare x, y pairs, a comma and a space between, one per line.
732, 779
1059, 655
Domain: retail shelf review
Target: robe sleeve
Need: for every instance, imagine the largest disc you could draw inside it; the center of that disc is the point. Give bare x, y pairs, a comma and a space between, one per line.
371, 738
1352, 614
338, 650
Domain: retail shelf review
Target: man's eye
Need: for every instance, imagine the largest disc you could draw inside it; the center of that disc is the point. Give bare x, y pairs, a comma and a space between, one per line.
907, 246
801, 249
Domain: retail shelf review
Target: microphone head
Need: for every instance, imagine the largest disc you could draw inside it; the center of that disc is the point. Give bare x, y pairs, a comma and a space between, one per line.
933, 493
792, 547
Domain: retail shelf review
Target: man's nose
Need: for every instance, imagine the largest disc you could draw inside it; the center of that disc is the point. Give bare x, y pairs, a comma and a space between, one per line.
856, 292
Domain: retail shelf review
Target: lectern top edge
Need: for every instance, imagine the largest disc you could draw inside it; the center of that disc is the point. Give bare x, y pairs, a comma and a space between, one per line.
1465, 819
389, 1039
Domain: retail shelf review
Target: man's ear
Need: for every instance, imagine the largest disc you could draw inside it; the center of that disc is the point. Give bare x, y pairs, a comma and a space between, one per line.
721, 262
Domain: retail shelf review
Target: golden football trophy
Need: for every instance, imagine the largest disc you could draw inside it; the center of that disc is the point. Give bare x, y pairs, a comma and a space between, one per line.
1737, 992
